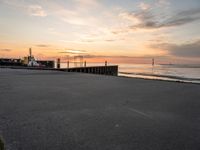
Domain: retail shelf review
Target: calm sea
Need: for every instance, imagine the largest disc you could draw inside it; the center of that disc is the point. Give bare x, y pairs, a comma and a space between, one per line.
186, 73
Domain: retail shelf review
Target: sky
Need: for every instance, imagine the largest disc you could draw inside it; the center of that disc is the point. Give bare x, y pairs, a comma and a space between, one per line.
120, 31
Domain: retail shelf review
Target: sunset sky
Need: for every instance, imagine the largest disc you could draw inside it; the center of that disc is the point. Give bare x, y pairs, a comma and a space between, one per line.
122, 31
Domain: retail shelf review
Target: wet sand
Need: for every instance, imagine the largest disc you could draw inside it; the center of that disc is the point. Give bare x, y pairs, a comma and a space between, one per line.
50, 110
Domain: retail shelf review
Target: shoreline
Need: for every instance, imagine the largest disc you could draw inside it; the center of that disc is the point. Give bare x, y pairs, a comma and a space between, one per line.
157, 79
162, 80
124, 74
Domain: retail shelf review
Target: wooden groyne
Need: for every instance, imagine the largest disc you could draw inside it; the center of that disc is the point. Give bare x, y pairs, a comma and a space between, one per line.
102, 70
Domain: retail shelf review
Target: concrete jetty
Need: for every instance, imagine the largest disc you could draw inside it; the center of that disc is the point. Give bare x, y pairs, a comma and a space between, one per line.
102, 70
57, 110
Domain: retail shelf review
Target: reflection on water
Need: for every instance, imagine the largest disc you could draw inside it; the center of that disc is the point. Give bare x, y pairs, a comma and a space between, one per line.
186, 73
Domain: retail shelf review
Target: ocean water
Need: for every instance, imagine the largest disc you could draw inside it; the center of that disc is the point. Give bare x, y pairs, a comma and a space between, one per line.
172, 72
185, 73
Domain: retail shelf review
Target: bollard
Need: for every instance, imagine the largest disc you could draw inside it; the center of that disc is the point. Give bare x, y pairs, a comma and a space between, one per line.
106, 63
58, 63
67, 64
85, 64
153, 61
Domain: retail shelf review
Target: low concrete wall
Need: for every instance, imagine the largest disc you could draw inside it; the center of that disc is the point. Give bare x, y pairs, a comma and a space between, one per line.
104, 70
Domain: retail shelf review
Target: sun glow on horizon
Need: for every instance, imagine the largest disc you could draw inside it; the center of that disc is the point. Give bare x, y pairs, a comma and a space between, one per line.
129, 31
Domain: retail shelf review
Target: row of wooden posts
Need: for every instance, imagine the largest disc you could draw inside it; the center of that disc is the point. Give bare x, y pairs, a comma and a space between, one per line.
104, 70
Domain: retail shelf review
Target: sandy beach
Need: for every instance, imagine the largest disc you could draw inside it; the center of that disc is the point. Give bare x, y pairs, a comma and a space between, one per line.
51, 110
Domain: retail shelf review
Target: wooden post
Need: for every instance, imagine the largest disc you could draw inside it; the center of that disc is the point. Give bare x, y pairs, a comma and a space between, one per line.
58, 63
67, 64
153, 62
106, 63
85, 64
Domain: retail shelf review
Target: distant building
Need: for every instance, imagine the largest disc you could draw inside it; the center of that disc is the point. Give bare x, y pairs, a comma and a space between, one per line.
10, 62
27, 61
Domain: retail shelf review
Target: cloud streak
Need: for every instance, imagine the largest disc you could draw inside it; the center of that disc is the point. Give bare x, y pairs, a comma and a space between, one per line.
73, 51
144, 6
191, 49
31, 9
5, 50
79, 13
36, 10
42, 45
147, 19
117, 56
